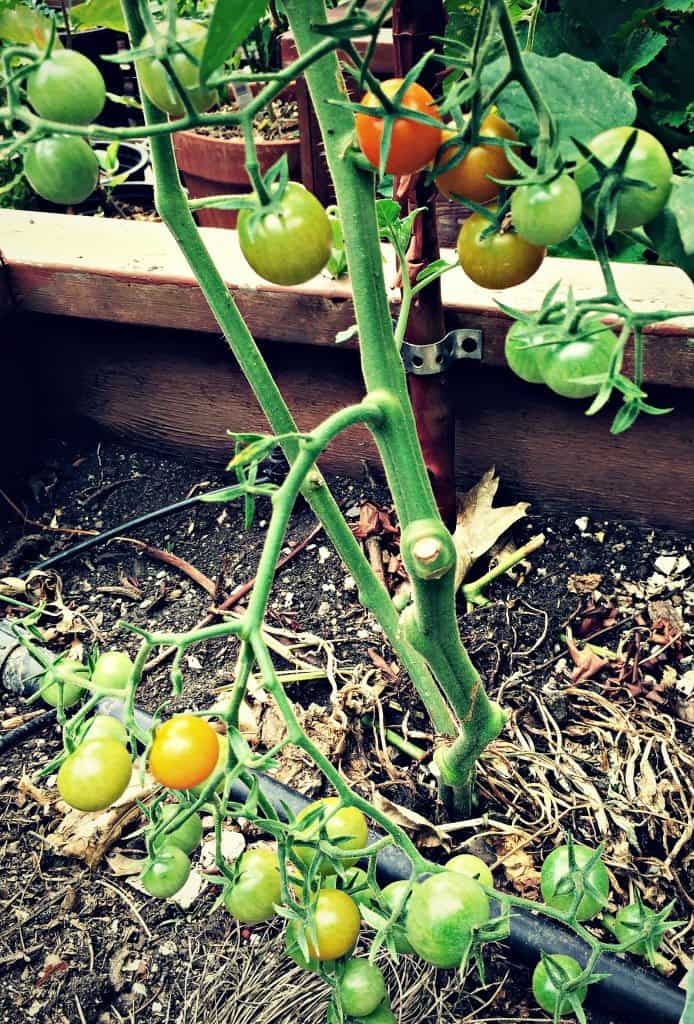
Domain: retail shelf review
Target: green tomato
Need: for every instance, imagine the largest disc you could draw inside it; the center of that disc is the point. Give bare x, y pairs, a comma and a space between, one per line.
345, 827
95, 775
473, 867
289, 244
106, 727
525, 347
187, 836
497, 260
442, 912
382, 1015
629, 922
546, 992
555, 871
112, 671
67, 87
391, 896
62, 169
158, 85
587, 353
356, 883
648, 162
252, 897
362, 988
68, 672
547, 214
166, 872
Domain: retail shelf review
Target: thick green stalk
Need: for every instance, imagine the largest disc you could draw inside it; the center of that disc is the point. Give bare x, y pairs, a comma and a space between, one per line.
173, 206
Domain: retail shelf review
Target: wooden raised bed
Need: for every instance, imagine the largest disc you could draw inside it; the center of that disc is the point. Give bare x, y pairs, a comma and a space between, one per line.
182, 391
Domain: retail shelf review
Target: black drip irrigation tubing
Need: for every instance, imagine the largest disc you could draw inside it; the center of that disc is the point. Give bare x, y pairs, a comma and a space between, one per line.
631, 994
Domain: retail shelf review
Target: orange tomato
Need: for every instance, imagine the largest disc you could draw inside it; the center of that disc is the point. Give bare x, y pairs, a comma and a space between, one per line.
184, 752
412, 145
470, 177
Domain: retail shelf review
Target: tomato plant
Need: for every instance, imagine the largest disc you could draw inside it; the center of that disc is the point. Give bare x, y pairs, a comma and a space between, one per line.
187, 836
67, 87
647, 163
559, 889
166, 872
471, 177
112, 671
547, 214
95, 775
345, 828
184, 752
291, 242
496, 259
546, 988
66, 673
361, 987
106, 727
252, 897
473, 867
587, 352
336, 919
441, 915
158, 85
412, 144
62, 169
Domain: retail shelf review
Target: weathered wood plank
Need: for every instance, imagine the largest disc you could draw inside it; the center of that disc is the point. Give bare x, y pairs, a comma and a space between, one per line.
150, 388
132, 272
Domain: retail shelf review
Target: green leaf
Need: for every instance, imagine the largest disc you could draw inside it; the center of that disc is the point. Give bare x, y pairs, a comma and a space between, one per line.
642, 47
583, 99
664, 233
98, 14
681, 202
231, 22
25, 25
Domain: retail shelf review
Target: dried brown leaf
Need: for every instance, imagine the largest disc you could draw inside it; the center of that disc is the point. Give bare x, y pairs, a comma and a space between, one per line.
479, 525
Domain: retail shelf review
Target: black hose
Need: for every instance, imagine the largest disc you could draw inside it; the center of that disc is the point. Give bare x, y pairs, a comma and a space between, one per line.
630, 993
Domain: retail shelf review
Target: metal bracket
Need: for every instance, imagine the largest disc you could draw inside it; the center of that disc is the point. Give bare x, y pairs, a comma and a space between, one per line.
424, 360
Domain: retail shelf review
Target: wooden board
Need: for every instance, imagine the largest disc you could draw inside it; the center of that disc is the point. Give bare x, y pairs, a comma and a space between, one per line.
132, 272
181, 393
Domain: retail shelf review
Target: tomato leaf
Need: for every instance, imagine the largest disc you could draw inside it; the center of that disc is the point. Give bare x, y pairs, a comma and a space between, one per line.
583, 99
230, 24
25, 25
98, 14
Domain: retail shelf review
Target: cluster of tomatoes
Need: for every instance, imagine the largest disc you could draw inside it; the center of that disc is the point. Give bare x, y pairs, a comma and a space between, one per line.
436, 918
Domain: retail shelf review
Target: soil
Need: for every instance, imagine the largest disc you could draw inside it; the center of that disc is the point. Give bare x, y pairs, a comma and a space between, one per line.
602, 747
278, 122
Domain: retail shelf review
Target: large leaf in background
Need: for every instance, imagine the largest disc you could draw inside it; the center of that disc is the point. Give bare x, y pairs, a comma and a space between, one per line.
583, 99
231, 22
98, 14
24, 25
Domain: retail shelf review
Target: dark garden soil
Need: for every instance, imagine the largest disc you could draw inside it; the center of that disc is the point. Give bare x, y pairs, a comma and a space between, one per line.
599, 739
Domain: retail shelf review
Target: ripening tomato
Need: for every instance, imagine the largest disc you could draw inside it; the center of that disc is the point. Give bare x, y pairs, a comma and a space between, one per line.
496, 260
556, 874
112, 671
252, 897
361, 988
187, 836
184, 752
547, 214
62, 169
470, 177
345, 827
546, 990
441, 914
222, 758
648, 162
67, 672
337, 920
412, 145
95, 775
67, 87
473, 867
291, 242
158, 85
166, 872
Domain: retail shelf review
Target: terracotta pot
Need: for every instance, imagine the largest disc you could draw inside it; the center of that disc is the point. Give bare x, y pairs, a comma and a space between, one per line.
214, 167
